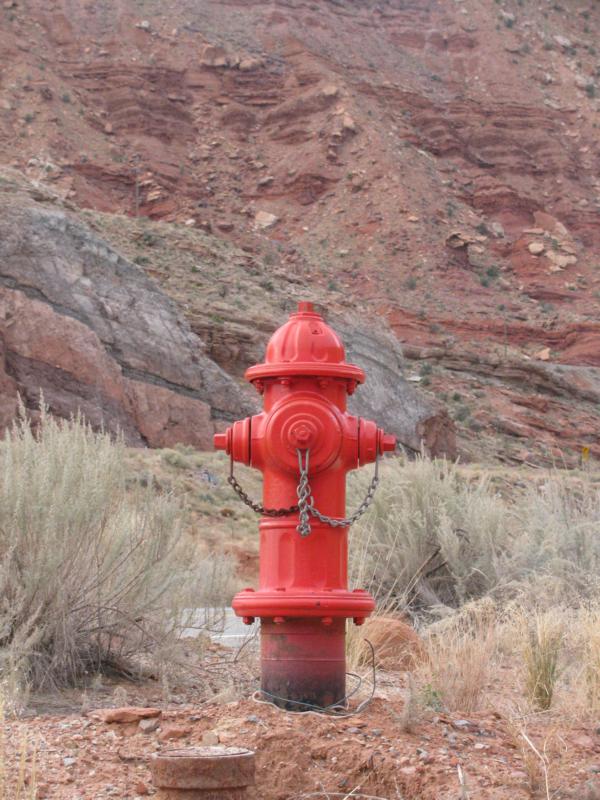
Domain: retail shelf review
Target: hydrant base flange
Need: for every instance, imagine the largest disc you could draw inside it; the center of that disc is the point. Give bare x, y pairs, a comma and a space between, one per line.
295, 603
303, 662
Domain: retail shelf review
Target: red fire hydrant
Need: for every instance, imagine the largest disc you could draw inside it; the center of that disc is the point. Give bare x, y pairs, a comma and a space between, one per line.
304, 442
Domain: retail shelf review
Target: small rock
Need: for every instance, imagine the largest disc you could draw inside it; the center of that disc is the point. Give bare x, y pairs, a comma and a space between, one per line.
149, 725
263, 219
214, 56
108, 128
249, 64
563, 42
253, 718
536, 248
543, 355
561, 261
144, 25
476, 256
189, 222
348, 123
376, 732
458, 239
210, 738
69, 762
225, 226
141, 789
174, 732
461, 723
330, 91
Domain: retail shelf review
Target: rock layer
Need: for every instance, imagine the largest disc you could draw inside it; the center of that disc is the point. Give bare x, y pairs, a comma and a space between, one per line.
87, 328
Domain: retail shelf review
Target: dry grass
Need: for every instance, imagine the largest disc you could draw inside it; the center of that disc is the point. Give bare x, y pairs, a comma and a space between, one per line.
439, 537
93, 569
432, 538
471, 557
457, 668
543, 640
590, 628
18, 779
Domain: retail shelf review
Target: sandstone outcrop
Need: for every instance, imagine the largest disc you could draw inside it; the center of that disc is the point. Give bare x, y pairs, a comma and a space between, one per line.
419, 421
417, 161
87, 328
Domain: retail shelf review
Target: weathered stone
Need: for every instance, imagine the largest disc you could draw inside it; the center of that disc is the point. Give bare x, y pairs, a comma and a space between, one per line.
86, 326
164, 418
125, 714
264, 219
174, 732
149, 724
214, 56
536, 248
417, 419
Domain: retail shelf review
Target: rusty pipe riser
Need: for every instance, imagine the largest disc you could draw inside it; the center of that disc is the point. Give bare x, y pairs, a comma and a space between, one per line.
303, 660
203, 773
202, 794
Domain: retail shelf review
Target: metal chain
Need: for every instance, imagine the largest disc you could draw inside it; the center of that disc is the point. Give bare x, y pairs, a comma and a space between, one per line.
304, 496
267, 512
306, 501
306, 507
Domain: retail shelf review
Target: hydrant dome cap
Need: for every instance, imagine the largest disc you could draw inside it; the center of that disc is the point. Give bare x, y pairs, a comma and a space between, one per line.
305, 345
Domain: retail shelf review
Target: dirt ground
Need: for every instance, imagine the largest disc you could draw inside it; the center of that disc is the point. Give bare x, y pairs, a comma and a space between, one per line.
492, 754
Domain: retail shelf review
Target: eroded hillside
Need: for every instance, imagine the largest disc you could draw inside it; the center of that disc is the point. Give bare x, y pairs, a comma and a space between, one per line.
430, 166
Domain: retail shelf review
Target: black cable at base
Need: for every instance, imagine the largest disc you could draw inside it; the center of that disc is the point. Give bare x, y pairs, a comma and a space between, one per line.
330, 710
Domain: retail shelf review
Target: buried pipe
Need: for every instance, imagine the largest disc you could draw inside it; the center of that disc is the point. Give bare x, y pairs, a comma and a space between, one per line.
203, 773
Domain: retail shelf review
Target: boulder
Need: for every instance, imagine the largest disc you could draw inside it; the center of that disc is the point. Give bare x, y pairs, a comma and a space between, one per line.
396, 643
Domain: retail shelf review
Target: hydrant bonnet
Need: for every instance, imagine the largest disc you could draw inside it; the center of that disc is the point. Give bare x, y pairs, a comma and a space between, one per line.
305, 345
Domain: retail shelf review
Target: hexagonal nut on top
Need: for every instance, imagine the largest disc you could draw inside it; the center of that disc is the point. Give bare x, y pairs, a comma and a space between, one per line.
218, 773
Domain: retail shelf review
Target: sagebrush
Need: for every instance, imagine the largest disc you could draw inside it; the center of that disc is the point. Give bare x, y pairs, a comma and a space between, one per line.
94, 569
438, 537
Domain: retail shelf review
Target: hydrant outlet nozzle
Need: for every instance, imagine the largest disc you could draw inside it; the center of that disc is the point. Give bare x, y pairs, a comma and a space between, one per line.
220, 441
387, 442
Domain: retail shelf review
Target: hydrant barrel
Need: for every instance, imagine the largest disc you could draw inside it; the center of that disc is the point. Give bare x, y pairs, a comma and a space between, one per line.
304, 442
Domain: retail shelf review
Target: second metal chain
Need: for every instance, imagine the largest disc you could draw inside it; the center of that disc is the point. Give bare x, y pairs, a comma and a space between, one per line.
306, 502
267, 512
